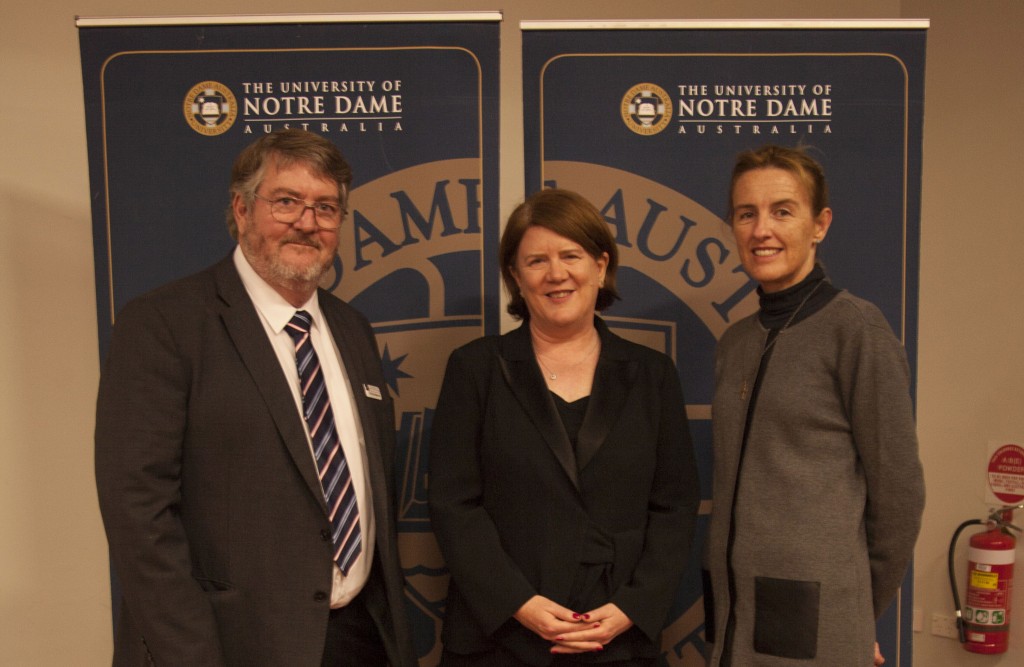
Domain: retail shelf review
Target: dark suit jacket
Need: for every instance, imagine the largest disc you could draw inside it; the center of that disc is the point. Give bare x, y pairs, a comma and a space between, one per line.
518, 513
217, 525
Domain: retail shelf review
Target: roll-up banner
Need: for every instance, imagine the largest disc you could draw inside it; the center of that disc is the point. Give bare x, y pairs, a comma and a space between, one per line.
411, 100
645, 120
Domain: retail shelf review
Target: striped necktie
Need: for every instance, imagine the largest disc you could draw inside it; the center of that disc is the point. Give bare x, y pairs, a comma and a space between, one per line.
335, 476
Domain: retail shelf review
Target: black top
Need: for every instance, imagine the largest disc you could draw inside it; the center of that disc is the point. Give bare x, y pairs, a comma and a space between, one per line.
572, 415
778, 307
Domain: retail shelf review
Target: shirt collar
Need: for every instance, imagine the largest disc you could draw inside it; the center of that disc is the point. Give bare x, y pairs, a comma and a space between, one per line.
271, 305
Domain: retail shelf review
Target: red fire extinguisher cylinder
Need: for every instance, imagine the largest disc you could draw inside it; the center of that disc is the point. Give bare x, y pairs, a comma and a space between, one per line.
989, 589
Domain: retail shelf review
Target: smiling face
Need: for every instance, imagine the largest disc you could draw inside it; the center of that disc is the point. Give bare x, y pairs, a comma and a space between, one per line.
558, 279
775, 227
290, 257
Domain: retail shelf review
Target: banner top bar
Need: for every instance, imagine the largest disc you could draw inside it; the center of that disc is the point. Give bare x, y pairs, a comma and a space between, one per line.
718, 24
240, 19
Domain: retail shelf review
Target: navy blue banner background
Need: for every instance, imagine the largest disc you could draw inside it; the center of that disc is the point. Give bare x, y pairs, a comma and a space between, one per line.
660, 176
154, 178
414, 108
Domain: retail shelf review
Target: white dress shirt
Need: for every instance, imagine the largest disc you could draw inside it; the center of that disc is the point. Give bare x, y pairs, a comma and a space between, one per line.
275, 312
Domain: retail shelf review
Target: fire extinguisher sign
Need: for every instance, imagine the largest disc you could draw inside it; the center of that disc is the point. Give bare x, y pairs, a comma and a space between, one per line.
984, 580
1005, 473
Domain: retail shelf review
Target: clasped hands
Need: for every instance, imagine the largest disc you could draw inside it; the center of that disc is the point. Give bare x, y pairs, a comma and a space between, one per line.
570, 631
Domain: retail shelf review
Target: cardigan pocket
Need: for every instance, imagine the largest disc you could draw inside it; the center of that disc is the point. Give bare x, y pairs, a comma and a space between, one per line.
786, 617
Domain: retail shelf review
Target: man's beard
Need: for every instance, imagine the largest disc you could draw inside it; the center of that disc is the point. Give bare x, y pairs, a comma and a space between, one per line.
273, 270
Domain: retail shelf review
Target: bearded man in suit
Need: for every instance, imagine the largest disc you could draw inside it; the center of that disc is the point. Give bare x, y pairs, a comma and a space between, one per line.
244, 529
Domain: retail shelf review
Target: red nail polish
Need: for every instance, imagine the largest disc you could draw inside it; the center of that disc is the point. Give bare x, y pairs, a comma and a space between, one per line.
576, 616
586, 617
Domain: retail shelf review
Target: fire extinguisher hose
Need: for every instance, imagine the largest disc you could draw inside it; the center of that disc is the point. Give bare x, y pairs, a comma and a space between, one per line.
961, 630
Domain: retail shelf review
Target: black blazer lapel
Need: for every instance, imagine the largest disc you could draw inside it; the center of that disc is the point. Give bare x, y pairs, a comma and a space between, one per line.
246, 331
525, 381
355, 356
363, 368
613, 378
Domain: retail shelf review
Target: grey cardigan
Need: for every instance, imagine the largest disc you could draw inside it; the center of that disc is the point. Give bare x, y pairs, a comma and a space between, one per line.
828, 496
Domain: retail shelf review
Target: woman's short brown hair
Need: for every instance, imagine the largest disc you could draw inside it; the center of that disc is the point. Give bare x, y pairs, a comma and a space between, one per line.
795, 160
569, 215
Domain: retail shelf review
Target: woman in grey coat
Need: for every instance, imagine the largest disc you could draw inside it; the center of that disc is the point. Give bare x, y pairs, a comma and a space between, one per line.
818, 489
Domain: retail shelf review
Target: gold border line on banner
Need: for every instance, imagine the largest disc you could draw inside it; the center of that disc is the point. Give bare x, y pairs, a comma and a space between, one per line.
103, 118
906, 126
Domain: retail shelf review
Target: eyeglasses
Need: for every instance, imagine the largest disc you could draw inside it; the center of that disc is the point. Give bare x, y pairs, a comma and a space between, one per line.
289, 210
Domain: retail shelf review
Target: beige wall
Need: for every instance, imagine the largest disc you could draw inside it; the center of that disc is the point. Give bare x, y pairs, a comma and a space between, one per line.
54, 607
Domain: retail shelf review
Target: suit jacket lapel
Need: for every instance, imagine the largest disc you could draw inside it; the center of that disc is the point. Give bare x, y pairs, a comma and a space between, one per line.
358, 358
613, 378
355, 356
524, 379
246, 331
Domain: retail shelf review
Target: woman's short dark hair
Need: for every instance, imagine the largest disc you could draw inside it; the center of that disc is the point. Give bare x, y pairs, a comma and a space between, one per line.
569, 215
795, 160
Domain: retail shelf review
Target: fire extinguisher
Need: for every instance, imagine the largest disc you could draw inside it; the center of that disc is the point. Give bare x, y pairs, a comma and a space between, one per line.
984, 622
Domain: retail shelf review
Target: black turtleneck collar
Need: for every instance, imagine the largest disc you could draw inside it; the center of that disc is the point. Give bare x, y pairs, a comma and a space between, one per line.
778, 307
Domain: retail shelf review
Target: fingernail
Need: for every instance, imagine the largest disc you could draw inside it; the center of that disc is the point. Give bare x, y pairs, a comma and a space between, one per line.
586, 617
558, 639
596, 625
599, 648
576, 616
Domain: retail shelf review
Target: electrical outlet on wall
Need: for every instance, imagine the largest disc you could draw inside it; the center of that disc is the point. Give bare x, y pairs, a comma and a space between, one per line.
944, 626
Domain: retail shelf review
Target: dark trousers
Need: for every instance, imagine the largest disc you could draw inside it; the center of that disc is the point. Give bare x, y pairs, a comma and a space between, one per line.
500, 658
353, 638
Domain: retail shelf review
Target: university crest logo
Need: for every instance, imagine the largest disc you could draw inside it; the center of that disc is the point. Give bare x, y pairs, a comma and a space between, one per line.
210, 108
646, 109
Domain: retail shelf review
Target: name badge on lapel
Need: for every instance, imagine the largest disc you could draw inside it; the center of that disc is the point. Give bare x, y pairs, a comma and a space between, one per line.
373, 392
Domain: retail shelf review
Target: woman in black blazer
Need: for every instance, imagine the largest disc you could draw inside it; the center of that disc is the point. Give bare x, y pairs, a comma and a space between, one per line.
563, 488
